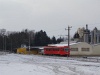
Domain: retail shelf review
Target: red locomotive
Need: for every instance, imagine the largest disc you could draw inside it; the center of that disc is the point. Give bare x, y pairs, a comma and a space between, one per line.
57, 50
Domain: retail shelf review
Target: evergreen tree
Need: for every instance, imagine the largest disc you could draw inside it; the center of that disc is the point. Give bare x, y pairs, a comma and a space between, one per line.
16, 39
76, 35
54, 40
59, 40
41, 39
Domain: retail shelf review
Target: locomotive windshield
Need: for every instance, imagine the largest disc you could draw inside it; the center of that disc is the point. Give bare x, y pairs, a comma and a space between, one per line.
66, 49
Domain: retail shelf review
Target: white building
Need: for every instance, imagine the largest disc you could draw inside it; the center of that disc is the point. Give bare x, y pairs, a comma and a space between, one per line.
81, 48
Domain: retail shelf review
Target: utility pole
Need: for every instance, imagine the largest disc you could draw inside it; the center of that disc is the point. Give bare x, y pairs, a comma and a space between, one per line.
29, 42
5, 43
68, 34
11, 45
3, 31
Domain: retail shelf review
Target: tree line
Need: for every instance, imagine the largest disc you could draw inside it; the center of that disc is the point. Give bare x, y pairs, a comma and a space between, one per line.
13, 40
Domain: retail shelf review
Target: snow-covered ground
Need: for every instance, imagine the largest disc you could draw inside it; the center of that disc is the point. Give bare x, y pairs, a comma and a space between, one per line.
17, 64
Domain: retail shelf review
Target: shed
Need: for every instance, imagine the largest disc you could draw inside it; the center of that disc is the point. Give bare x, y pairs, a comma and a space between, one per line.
81, 48
96, 49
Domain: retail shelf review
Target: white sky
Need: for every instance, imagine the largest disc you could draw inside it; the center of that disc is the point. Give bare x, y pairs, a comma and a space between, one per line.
52, 16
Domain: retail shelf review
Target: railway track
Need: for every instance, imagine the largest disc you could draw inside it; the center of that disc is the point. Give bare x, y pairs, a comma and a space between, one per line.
86, 59
91, 59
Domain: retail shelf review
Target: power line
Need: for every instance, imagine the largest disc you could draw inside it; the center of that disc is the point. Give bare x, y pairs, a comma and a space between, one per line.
60, 29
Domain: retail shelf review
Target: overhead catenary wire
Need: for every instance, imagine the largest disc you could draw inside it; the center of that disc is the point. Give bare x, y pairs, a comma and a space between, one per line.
79, 26
61, 31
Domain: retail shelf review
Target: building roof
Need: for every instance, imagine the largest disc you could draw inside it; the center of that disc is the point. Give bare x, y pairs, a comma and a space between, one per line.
65, 44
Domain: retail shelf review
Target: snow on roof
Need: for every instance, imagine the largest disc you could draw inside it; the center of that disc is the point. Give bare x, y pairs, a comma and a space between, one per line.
63, 44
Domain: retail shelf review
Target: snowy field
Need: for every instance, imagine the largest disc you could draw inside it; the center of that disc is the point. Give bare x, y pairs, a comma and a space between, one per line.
17, 64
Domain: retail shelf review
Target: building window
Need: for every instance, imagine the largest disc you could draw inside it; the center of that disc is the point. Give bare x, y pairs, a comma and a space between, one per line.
85, 49
74, 49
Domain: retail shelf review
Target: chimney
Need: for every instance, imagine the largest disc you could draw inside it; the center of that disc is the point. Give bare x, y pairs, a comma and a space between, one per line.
86, 26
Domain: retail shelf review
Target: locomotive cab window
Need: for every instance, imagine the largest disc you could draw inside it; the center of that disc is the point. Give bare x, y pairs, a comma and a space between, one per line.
66, 49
